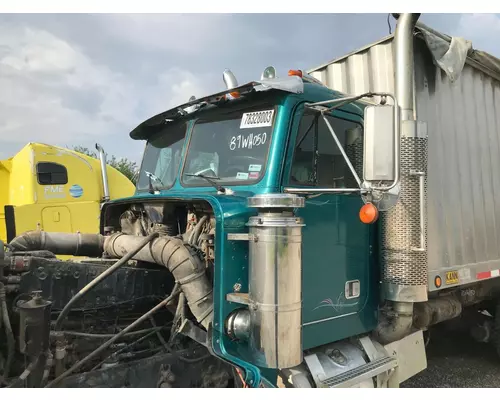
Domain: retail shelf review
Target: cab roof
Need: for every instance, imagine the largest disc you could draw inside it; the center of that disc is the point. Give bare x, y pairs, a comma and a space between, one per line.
290, 84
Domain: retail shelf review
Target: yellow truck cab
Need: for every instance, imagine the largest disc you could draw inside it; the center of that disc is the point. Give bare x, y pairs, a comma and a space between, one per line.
57, 190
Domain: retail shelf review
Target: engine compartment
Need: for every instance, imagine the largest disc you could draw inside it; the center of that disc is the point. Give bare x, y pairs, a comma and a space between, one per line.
45, 332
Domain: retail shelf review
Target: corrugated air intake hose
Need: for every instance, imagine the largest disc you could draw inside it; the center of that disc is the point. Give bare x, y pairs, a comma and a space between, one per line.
179, 257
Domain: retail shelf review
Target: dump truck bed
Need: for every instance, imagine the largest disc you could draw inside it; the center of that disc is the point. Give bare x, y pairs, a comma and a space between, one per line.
462, 111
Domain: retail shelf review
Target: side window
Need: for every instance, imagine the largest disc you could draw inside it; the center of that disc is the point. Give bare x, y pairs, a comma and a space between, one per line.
51, 173
317, 160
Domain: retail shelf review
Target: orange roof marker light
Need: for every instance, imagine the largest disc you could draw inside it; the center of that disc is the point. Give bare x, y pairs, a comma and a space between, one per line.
305, 77
231, 83
368, 214
295, 72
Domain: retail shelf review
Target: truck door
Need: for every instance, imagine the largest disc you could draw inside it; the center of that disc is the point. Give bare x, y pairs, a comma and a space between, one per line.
52, 179
337, 275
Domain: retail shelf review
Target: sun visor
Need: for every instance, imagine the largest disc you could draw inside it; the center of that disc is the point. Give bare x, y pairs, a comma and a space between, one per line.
291, 84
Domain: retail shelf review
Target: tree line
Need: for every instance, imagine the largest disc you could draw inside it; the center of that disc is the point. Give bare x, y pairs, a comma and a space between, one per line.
128, 168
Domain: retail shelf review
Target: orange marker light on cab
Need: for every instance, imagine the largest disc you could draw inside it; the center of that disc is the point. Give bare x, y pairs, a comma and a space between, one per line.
295, 72
368, 214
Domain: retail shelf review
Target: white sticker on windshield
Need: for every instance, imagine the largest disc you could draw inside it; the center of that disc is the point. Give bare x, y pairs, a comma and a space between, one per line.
257, 119
242, 175
254, 168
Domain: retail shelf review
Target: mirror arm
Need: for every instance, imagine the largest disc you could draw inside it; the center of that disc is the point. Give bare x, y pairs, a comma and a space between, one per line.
303, 190
340, 102
339, 145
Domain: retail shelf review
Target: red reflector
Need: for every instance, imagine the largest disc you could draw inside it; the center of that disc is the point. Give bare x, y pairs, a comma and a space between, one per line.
483, 275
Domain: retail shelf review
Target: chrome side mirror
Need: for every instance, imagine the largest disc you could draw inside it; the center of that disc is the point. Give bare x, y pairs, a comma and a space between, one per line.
379, 162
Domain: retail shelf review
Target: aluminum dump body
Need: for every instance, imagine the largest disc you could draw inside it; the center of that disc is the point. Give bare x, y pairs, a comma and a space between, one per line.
460, 103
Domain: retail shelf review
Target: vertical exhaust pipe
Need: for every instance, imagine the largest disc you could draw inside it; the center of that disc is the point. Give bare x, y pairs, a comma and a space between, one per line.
402, 285
104, 172
403, 42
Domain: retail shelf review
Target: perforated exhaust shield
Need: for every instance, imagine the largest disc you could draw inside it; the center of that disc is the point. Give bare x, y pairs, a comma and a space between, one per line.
403, 258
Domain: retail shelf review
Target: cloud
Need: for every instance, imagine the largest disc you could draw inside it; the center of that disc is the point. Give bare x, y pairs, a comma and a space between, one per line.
53, 92
482, 29
178, 33
74, 79
184, 84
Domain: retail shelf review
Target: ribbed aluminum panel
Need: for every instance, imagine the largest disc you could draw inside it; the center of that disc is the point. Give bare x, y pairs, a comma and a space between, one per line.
361, 72
463, 182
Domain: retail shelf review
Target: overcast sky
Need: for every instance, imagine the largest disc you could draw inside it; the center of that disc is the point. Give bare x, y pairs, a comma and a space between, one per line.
74, 79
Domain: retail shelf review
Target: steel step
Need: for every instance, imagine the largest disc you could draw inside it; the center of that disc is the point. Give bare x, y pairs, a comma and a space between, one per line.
361, 373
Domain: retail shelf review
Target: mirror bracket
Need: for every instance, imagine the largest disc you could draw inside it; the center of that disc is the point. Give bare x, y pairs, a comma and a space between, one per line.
329, 105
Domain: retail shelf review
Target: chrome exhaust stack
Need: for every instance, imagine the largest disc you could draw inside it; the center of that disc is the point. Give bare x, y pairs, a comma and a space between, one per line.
403, 248
403, 255
104, 172
404, 63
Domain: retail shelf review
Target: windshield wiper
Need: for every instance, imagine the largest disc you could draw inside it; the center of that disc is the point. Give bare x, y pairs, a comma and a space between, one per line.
210, 180
152, 177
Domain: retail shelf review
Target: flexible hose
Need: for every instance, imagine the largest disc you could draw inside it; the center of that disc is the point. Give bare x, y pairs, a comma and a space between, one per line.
35, 253
179, 257
48, 365
104, 346
154, 331
182, 261
21, 378
158, 334
179, 316
74, 244
182, 358
105, 335
127, 257
11, 341
197, 230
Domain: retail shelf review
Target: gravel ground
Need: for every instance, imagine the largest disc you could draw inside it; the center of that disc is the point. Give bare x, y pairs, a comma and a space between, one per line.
457, 361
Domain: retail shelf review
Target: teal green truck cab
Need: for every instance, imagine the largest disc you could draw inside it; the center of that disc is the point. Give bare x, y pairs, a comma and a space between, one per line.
293, 149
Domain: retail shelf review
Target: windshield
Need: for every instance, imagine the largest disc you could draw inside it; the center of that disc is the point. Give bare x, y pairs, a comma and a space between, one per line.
231, 148
162, 158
